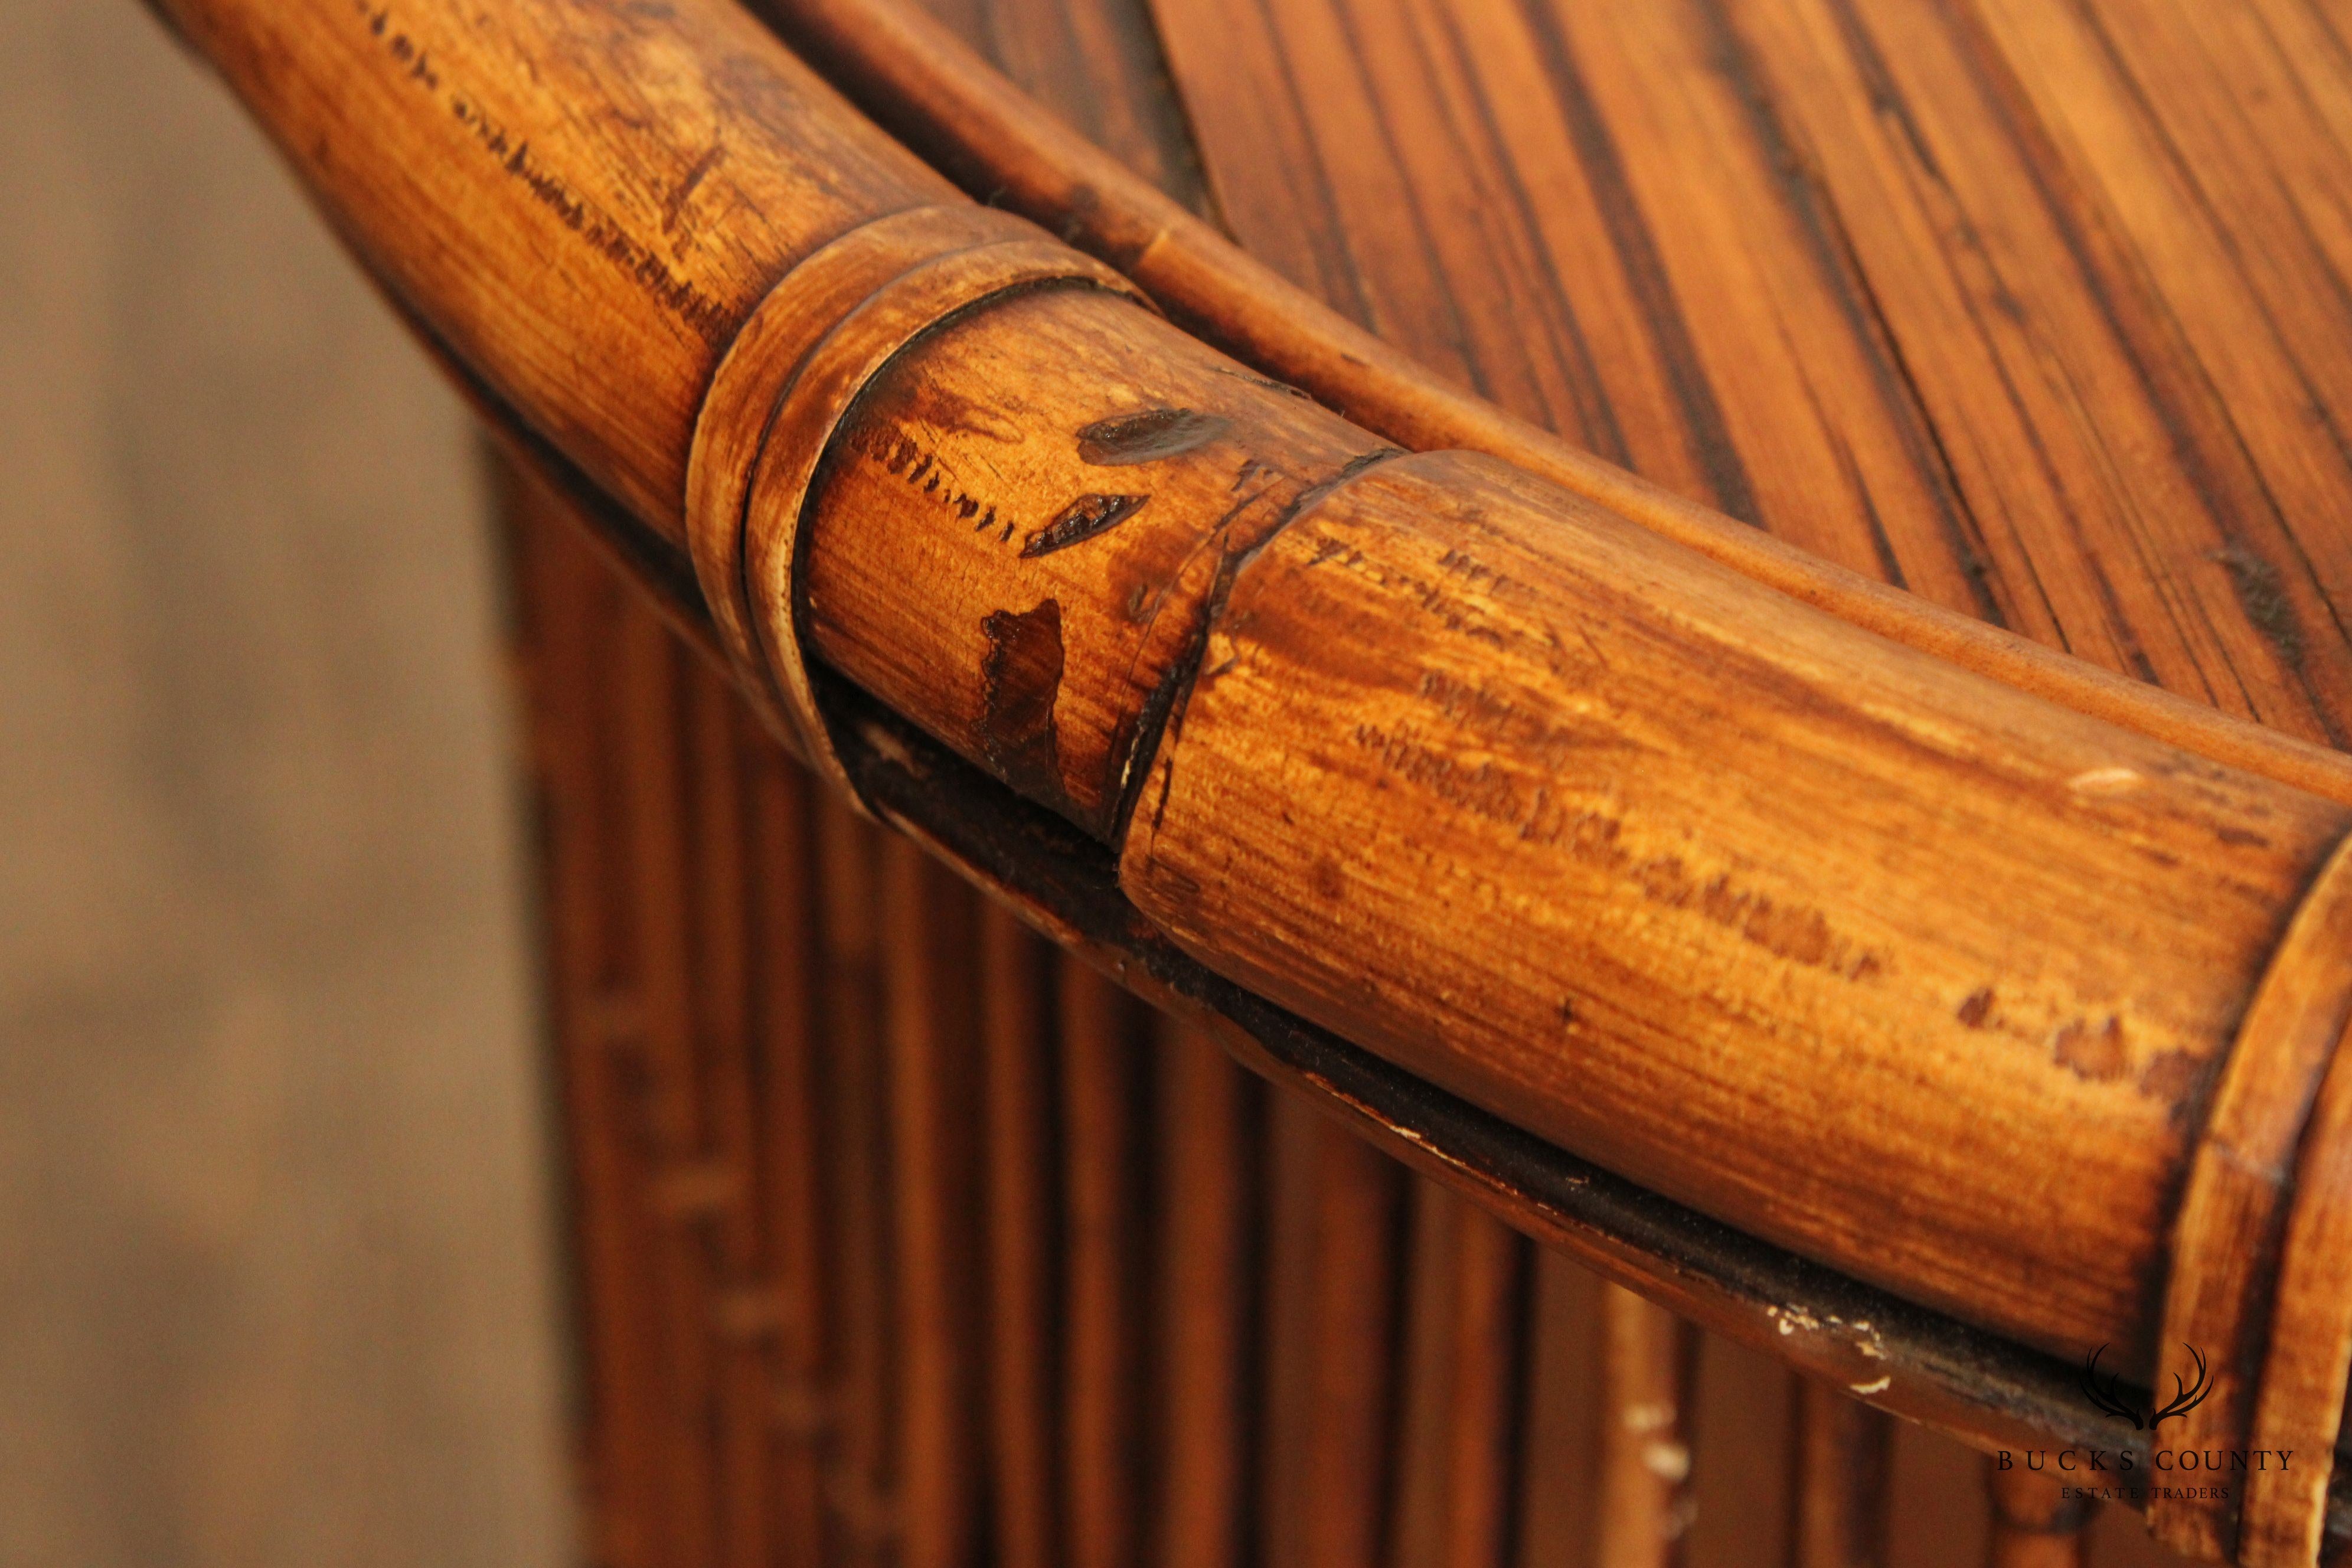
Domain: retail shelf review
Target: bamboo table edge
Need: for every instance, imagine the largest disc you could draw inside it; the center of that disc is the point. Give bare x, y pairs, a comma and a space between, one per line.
320, 72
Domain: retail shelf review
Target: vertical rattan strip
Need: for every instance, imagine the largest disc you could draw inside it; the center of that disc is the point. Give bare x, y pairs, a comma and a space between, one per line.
783, 908
1488, 1382
1103, 1361
1642, 1505
860, 1477
928, 926
686, 1189
1840, 1445
745, 1308
567, 607
1210, 1116
1024, 1249
1333, 1286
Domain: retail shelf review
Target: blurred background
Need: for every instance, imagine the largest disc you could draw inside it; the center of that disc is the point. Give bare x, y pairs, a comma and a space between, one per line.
276, 1277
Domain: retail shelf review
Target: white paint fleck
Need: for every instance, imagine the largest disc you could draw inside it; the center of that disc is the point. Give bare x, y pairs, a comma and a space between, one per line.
1667, 1461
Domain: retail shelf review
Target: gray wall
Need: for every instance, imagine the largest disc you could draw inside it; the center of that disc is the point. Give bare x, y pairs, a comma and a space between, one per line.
274, 1268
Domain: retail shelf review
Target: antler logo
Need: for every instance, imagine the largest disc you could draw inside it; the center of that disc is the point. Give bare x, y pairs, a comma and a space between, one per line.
2108, 1395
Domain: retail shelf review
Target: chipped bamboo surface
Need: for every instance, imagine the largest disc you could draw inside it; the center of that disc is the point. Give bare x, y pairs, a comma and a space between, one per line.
1414, 1033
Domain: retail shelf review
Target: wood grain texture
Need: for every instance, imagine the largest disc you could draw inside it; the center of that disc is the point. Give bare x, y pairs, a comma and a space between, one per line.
2202, 149
2228, 1236
1392, 737
916, 78
1947, 328
866, 633
855, 321
2048, 213
1753, 900
748, 423
1989, 1392
1006, 716
1553, 1477
2046, 366
1068, 556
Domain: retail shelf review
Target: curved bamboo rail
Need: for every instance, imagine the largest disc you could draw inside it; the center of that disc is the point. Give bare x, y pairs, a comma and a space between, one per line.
2009, 1000
920, 82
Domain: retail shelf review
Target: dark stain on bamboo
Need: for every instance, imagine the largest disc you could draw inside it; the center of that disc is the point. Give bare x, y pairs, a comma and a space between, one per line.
1149, 436
1021, 677
2091, 1051
924, 473
2264, 595
1083, 519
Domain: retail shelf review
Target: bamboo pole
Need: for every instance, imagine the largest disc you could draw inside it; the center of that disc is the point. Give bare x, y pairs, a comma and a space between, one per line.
1644, 1499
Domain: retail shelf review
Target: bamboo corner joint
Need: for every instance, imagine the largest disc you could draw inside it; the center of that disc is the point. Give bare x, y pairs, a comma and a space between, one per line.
2028, 1017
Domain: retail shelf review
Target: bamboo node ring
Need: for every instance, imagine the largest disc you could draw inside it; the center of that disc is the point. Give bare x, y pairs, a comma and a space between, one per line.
2264, 1181
794, 371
